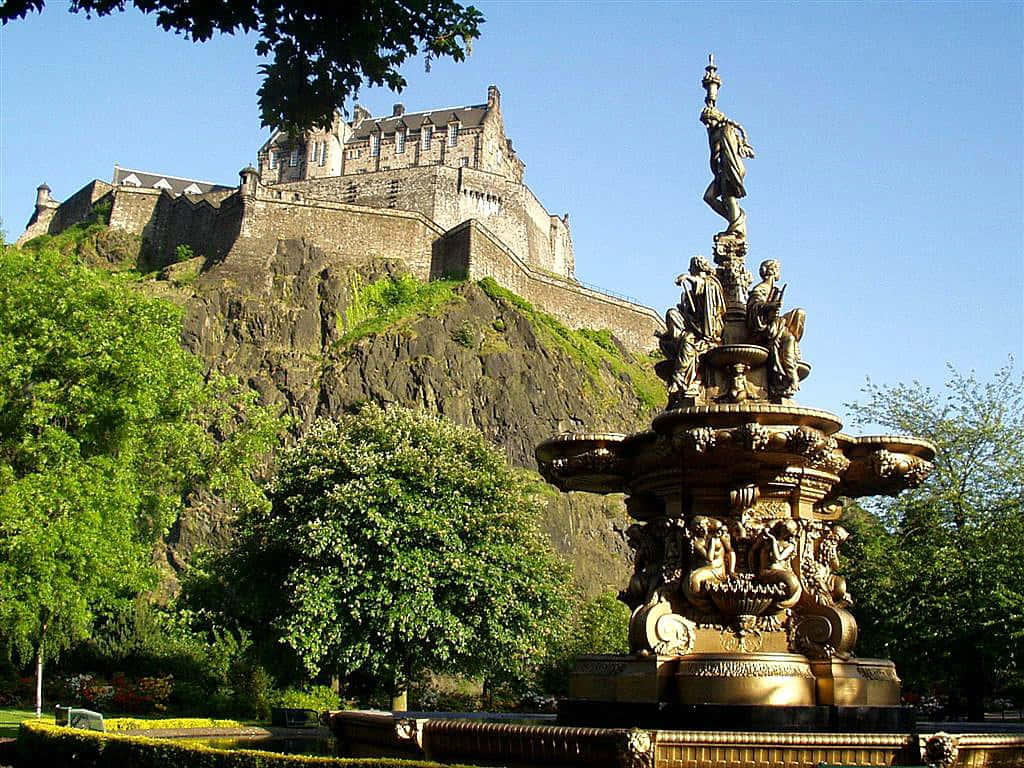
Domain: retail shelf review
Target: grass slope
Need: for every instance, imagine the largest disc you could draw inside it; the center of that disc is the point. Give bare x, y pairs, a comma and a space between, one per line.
378, 306
590, 348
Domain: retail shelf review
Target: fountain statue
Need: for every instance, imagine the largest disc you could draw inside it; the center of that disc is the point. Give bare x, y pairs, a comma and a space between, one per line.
736, 600
742, 634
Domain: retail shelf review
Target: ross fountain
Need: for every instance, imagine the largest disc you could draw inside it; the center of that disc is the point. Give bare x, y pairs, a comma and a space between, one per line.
741, 635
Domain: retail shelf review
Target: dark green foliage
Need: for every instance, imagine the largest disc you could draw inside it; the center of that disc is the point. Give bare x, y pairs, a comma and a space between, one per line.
938, 571
321, 52
465, 336
45, 744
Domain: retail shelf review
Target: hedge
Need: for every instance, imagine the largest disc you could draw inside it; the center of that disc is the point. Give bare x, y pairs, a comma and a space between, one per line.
41, 743
166, 723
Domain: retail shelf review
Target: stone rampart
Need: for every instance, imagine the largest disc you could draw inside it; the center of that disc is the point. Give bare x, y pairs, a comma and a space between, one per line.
575, 305
72, 211
133, 210
450, 196
301, 210
349, 230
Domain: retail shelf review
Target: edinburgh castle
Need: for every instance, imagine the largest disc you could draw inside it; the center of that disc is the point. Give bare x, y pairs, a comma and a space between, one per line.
440, 190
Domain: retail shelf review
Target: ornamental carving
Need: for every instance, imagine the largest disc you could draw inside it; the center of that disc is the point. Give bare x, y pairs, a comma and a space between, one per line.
599, 668
940, 750
889, 465
692, 327
753, 436
648, 544
805, 441
675, 636
820, 562
699, 439
636, 750
408, 729
717, 668
882, 674
596, 460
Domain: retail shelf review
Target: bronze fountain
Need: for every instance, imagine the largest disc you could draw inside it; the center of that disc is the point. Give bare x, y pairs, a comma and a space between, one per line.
742, 636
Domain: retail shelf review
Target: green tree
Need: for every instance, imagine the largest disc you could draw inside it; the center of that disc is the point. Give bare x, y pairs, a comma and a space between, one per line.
938, 570
105, 425
597, 625
398, 543
321, 52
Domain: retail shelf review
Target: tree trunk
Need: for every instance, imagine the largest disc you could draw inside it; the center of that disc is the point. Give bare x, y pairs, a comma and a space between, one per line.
975, 685
400, 700
39, 671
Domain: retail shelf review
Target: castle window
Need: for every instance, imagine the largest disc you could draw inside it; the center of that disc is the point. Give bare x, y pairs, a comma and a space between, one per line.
375, 145
453, 134
293, 158
399, 142
427, 135
316, 151
464, 162
273, 159
323, 153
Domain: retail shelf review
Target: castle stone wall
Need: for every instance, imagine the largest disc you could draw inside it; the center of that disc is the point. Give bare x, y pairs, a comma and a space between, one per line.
573, 304
207, 229
75, 209
134, 209
450, 196
349, 230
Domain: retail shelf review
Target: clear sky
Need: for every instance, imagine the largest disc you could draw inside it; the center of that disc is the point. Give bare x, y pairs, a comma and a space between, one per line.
888, 177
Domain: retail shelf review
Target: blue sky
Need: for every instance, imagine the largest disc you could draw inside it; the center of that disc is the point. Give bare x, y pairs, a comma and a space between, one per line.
888, 177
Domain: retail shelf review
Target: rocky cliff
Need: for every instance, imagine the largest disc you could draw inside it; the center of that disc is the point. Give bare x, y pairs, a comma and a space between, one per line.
315, 334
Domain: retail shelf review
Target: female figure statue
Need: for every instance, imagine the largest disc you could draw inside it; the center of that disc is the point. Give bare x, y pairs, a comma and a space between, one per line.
779, 333
692, 327
771, 556
729, 145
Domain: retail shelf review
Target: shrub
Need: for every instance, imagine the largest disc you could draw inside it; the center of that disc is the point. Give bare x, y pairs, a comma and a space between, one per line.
41, 743
318, 697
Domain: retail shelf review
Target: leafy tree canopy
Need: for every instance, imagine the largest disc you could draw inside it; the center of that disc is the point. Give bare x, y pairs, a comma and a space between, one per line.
320, 52
399, 543
938, 570
106, 424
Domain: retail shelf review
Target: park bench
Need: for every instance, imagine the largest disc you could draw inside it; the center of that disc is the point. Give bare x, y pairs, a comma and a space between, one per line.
73, 717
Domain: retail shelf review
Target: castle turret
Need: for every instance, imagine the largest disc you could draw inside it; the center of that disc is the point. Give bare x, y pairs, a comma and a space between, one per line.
249, 177
43, 200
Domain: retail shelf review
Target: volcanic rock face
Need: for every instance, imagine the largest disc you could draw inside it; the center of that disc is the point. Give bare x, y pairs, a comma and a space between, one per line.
275, 315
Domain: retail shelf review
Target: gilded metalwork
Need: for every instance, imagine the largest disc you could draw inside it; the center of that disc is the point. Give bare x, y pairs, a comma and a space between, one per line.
636, 750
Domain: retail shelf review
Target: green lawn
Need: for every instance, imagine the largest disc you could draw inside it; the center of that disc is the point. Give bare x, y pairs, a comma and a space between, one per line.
11, 718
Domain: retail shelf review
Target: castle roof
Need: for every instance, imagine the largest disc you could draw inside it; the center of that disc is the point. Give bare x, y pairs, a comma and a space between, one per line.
467, 117
176, 185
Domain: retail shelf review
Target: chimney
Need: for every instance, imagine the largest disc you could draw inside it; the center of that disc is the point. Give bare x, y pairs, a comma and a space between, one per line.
398, 110
493, 97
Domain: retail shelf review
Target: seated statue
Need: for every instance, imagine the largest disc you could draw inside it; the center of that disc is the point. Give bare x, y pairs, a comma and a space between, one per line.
779, 333
692, 327
771, 556
712, 558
